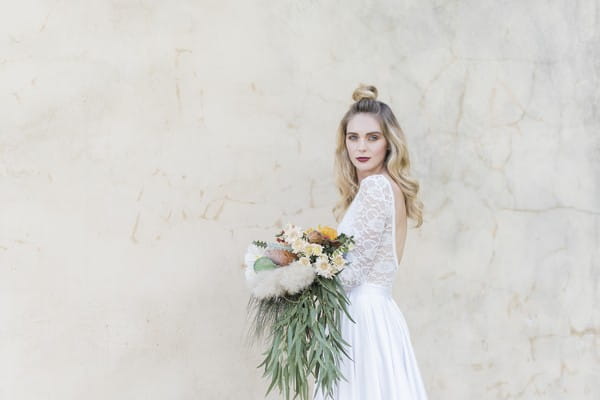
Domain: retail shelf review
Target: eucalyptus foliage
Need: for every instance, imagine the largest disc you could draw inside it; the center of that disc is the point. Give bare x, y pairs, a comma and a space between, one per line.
304, 335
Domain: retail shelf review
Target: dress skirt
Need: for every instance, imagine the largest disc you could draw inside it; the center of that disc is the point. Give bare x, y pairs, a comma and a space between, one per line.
384, 366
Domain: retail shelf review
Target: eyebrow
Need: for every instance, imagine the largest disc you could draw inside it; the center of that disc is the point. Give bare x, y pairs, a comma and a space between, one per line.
368, 133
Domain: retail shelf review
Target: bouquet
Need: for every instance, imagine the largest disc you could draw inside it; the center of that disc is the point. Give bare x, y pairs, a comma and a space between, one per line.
297, 301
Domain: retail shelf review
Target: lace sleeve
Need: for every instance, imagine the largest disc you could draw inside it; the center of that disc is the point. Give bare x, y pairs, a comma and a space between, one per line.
373, 206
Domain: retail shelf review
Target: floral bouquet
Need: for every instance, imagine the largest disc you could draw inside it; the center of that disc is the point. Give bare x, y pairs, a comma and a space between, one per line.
297, 300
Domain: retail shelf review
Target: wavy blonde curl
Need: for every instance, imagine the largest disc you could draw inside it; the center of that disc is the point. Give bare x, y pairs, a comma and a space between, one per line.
397, 160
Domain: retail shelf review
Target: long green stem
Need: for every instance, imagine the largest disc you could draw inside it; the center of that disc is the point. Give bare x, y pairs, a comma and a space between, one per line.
305, 336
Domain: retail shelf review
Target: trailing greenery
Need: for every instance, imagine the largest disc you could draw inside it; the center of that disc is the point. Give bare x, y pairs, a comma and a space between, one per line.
305, 337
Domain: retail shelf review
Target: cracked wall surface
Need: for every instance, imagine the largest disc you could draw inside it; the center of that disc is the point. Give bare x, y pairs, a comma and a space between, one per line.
144, 144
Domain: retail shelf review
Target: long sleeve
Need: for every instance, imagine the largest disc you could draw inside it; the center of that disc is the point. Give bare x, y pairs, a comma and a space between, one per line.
372, 208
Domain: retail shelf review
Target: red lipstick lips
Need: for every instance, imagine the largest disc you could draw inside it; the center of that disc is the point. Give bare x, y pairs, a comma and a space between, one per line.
363, 159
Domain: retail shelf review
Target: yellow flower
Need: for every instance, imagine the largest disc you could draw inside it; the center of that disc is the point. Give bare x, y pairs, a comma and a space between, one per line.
328, 231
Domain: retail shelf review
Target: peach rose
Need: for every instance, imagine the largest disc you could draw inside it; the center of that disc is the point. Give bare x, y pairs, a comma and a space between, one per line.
315, 237
281, 257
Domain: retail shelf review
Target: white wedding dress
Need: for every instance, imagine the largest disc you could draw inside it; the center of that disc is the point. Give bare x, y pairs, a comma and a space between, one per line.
383, 365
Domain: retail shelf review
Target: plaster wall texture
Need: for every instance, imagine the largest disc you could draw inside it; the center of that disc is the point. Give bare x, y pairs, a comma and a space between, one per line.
144, 144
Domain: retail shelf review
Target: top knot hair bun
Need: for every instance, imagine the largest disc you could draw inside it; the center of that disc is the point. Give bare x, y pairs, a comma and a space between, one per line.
364, 92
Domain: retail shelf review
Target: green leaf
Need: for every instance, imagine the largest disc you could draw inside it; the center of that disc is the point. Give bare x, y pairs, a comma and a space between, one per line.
305, 338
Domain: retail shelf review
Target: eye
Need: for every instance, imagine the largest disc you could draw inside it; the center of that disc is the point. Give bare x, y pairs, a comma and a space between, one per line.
374, 137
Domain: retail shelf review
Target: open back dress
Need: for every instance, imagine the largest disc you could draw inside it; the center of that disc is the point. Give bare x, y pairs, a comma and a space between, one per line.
383, 364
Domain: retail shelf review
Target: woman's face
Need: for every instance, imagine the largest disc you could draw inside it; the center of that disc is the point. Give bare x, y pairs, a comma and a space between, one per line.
365, 139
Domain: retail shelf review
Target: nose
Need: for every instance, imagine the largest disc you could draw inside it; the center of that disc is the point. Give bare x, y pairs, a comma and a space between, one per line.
361, 145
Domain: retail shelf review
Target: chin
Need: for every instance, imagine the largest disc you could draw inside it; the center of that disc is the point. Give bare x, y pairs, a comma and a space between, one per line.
368, 165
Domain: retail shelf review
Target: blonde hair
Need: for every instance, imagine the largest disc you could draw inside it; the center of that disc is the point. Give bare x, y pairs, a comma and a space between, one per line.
397, 160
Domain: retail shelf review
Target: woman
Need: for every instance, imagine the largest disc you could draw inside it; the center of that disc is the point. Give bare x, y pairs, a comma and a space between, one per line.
372, 167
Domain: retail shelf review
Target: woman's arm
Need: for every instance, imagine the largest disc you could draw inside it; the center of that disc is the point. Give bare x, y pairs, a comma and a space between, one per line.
372, 208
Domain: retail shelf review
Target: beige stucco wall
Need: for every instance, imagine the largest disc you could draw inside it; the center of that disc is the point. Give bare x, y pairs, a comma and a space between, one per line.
144, 144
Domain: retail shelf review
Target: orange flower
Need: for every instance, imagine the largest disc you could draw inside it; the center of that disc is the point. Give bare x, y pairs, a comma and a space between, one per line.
328, 232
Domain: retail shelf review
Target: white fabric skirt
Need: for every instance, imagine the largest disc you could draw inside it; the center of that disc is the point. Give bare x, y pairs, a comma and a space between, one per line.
383, 365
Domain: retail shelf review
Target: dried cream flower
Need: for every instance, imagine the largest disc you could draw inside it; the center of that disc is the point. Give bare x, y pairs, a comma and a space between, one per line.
323, 268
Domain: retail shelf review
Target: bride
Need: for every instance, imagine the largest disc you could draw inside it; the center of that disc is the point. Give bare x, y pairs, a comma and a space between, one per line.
377, 195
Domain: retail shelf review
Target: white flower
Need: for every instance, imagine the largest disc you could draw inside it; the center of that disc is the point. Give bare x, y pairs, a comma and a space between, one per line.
252, 253
307, 250
292, 232
323, 268
323, 258
299, 245
316, 249
338, 262
304, 261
